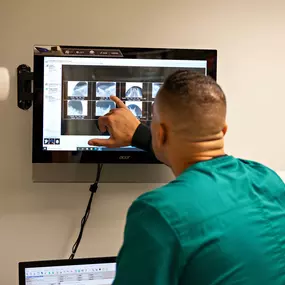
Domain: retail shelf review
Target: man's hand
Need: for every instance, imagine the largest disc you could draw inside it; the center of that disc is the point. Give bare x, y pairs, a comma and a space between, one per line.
121, 125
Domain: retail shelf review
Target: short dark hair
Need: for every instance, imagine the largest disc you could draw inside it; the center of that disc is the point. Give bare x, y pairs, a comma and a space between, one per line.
193, 98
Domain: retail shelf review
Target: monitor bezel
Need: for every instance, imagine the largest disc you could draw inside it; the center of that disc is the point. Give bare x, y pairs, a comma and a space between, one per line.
60, 262
127, 156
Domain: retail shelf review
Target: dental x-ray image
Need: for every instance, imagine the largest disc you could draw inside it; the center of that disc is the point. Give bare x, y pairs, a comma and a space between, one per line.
135, 107
105, 89
77, 89
103, 107
134, 90
155, 88
77, 108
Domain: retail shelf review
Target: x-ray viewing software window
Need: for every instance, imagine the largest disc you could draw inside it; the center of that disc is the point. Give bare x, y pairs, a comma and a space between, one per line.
79, 89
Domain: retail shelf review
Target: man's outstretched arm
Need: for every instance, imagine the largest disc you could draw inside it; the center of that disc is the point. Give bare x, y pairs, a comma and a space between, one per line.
142, 138
124, 129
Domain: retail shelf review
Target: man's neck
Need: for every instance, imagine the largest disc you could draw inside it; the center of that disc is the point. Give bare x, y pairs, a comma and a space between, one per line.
196, 152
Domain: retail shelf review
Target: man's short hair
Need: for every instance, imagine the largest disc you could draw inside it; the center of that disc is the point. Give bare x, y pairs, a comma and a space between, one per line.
194, 103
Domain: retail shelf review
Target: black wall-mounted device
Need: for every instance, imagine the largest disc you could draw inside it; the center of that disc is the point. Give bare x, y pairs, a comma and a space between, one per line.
24, 92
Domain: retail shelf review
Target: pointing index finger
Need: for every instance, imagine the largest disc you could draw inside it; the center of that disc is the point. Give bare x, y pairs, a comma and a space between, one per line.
118, 102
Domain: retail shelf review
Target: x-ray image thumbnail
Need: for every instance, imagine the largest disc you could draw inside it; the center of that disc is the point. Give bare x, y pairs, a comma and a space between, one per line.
155, 88
77, 108
134, 90
105, 89
135, 107
77, 89
103, 107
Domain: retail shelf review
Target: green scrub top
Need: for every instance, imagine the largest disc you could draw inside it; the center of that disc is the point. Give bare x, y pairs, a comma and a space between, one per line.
221, 221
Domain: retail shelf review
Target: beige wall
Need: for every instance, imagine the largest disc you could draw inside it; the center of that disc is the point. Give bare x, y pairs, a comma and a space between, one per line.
39, 221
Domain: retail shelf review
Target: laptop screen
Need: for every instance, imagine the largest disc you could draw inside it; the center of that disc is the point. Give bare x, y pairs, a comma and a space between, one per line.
81, 274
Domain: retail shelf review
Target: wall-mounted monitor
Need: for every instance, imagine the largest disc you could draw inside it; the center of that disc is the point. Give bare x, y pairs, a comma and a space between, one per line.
72, 88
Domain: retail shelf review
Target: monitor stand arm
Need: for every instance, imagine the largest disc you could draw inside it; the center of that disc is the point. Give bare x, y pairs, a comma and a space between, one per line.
24, 88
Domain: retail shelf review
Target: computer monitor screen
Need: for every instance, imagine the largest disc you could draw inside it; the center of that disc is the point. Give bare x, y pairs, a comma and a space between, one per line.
76, 85
79, 274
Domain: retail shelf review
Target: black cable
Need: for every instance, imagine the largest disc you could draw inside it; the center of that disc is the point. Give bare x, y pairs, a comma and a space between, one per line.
93, 189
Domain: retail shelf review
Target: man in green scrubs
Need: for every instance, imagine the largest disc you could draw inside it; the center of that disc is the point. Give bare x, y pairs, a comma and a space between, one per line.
222, 220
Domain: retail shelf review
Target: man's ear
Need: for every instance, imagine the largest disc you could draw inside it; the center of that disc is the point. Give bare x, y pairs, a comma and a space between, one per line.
225, 129
162, 134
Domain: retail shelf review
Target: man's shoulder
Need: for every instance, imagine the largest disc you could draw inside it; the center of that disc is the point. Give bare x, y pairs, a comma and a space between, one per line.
170, 201
160, 195
201, 191
181, 193
265, 173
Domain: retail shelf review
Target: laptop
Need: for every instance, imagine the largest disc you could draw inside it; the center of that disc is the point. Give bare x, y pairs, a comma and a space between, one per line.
85, 271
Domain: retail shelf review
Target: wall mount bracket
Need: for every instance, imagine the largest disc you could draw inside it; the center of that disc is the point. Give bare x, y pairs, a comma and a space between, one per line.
24, 89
